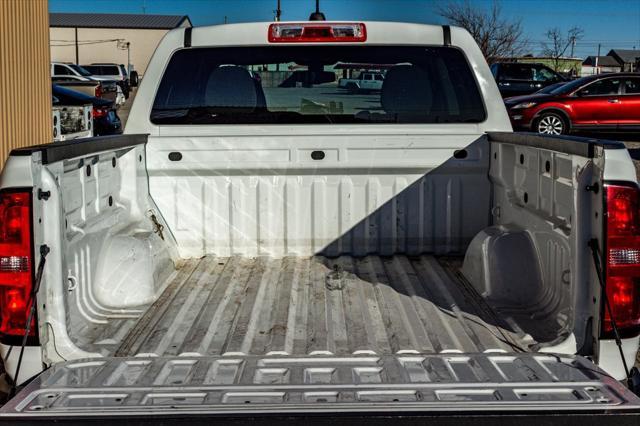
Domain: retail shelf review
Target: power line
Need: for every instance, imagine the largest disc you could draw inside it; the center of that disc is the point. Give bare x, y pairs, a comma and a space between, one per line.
66, 43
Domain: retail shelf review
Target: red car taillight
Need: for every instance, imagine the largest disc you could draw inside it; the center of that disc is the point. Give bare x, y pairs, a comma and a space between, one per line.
100, 112
16, 263
98, 91
623, 259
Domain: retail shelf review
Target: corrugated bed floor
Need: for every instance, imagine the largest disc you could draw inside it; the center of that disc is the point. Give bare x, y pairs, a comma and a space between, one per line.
315, 305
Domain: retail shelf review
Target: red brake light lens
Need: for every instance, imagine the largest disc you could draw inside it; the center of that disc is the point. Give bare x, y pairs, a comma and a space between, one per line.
98, 91
100, 112
317, 32
623, 259
15, 263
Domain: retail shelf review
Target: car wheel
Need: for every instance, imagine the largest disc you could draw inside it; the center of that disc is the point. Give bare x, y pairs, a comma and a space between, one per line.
134, 78
551, 123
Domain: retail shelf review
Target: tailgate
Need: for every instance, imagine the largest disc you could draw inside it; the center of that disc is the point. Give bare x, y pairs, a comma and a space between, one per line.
325, 386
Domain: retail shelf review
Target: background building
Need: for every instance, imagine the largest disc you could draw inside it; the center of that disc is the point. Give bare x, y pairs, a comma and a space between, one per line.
628, 59
98, 37
599, 64
25, 99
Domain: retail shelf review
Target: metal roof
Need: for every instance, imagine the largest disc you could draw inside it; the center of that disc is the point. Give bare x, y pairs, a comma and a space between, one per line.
118, 20
603, 61
626, 55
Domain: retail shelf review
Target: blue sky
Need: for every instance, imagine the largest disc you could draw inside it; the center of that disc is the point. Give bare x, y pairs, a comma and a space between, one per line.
613, 23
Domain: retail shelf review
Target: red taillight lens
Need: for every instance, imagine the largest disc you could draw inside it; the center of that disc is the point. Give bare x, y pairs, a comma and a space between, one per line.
623, 259
100, 112
98, 91
316, 32
15, 263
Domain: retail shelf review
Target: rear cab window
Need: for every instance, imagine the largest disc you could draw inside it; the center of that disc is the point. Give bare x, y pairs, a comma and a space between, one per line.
102, 69
292, 84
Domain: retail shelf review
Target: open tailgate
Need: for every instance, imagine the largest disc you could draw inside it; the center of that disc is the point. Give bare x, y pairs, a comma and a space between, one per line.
326, 386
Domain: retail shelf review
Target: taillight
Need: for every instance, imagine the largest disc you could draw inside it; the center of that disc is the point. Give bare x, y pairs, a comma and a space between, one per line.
317, 32
100, 112
623, 259
16, 266
98, 91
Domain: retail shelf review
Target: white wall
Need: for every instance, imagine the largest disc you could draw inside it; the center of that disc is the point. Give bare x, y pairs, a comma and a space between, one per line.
590, 70
143, 44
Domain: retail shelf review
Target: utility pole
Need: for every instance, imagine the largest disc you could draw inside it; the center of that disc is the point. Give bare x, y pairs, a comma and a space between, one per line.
573, 45
597, 58
125, 45
277, 19
317, 15
77, 59
278, 12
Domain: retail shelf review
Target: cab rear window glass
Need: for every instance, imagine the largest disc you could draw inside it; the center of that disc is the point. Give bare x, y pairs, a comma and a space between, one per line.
318, 84
102, 69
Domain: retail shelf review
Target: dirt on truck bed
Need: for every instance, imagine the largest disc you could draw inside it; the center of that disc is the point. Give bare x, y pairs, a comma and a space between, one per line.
316, 305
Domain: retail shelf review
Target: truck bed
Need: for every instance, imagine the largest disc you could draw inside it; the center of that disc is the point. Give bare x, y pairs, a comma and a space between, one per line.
241, 336
312, 305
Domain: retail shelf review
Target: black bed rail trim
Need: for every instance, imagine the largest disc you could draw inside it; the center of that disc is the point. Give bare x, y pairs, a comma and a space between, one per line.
446, 35
187, 37
574, 145
57, 151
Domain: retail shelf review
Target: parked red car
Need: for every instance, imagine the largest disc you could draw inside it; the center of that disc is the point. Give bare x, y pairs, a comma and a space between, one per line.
605, 102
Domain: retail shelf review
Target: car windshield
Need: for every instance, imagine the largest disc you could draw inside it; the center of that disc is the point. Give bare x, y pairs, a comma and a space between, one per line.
83, 72
570, 86
320, 84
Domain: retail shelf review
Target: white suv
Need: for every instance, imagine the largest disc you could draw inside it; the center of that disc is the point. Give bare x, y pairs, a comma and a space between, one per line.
110, 71
71, 71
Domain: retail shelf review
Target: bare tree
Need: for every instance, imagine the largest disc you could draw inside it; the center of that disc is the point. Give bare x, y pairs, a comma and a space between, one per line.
558, 43
497, 37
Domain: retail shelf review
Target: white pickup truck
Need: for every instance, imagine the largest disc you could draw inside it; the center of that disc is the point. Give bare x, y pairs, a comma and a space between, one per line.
239, 256
366, 81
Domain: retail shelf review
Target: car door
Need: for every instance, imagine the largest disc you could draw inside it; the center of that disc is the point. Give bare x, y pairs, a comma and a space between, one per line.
630, 103
515, 79
597, 104
367, 81
378, 80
